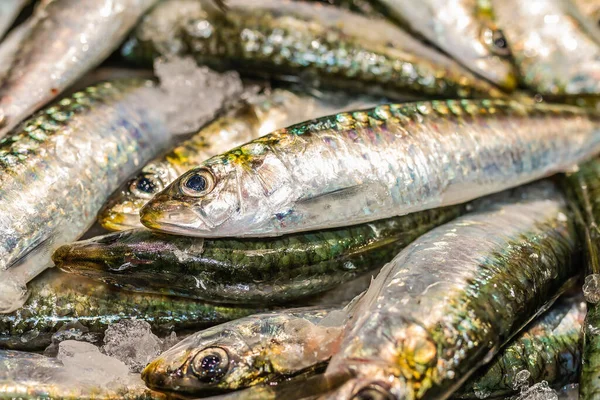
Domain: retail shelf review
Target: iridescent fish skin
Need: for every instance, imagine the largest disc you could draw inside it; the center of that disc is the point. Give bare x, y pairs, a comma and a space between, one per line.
58, 168
549, 348
447, 303
260, 271
305, 42
255, 117
464, 29
555, 48
356, 167
60, 301
69, 38
246, 352
9, 10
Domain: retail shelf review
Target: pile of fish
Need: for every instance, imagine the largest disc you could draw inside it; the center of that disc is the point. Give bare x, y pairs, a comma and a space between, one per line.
335, 199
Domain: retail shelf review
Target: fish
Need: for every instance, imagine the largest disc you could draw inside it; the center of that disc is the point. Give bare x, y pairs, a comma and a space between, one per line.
447, 303
253, 118
63, 305
9, 10
11, 45
69, 38
59, 167
549, 349
464, 29
234, 271
30, 376
355, 167
260, 348
305, 42
556, 48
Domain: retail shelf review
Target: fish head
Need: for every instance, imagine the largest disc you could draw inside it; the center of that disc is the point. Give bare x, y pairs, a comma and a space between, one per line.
213, 361
493, 57
122, 211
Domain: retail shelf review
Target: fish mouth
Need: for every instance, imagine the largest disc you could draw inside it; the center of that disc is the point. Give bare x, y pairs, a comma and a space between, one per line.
119, 216
174, 217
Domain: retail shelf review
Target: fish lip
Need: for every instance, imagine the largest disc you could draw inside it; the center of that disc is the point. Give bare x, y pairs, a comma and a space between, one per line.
125, 221
153, 216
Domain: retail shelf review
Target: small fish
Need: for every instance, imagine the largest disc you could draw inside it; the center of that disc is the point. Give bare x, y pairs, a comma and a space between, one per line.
58, 168
555, 47
260, 271
245, 352
361, 166
463, 29
62, 302
253, 118
549, 349
9, 10
315, 44
69, 38
447, 303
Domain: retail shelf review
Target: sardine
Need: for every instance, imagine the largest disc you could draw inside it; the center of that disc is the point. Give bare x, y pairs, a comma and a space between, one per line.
69, 38
58, 168
61, 302
556, 49
314, 44
446, 303
248, 351
352, 168
9, 10
260, 271
463, 29
255, 117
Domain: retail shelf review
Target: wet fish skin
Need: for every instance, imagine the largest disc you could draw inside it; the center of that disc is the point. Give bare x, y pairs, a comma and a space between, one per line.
555, 47
260, 271
259, 348
69, 38
60, 301
9, 10
549, 348
314, 44
448, 302
356, 167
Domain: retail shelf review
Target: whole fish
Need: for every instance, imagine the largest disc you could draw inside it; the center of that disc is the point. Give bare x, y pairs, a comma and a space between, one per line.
311, 43
255, 117
446, 303
61, 302
260, 271
463, 29
361, 166
549, 349
556, 48
30, 376
247, 351
9, 10
58, 168
69, 38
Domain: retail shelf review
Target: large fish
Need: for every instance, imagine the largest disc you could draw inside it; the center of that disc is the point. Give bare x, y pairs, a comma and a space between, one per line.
311, 43
447, 303
58, 168
361, 166
68, 38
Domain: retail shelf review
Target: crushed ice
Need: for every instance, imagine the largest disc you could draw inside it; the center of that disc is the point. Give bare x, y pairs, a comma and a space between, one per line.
132, 342
538, 391
591, 288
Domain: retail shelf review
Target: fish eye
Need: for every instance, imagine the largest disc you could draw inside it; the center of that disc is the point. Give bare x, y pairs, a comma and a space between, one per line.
210, 364
373, 392
496, 41
145, 186
198, 183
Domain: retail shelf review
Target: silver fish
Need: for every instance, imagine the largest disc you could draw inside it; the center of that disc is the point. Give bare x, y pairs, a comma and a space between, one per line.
556, 49
69, 38
357, 167
59, 166
447, 303
9, 10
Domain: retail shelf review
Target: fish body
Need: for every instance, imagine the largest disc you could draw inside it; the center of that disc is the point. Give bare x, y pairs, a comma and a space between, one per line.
314, 44
61, 302
69, 38
253, 118
9, 10
555, 48
447, 303
58, 168
259, 271
245, 352
362, 166
11, 45
463, 29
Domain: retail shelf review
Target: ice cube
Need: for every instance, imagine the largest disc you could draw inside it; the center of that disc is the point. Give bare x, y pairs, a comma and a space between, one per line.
591, 288
132, 342
539, 391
